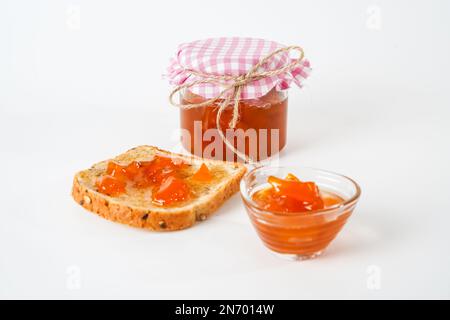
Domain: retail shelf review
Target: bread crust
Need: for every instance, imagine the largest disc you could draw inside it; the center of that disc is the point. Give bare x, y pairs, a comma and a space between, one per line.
154, 218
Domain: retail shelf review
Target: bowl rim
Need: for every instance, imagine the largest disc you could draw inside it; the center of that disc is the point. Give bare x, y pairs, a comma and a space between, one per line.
342, 206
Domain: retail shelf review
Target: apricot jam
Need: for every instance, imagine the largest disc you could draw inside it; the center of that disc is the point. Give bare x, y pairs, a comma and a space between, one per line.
203, 174
293, 223
171, 190
260, 131
167, 179
289, 195
110, 186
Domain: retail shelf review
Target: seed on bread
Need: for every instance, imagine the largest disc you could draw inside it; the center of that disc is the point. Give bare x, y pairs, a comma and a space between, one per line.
162, 224
86, 200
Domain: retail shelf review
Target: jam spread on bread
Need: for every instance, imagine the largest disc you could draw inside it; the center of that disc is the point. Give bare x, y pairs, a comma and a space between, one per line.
164, 176
170, 191
290, 195
110, 186
203, 174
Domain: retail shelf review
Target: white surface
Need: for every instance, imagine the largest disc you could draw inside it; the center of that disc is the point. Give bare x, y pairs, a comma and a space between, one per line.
76, 91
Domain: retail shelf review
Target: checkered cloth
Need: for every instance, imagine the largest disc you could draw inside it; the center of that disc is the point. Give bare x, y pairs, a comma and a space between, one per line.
234, 57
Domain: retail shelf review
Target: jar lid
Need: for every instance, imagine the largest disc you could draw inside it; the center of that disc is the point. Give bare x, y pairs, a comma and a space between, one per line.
235, 56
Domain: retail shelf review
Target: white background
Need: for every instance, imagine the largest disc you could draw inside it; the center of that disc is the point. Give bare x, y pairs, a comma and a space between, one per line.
80, 81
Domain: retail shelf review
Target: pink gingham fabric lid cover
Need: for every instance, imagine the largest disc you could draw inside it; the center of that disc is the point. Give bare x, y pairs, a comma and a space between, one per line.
234, 57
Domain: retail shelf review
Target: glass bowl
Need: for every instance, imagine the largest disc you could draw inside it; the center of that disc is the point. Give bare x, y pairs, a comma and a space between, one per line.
302, 235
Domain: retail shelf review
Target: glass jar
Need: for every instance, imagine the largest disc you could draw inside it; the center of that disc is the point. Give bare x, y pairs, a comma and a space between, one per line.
260, 131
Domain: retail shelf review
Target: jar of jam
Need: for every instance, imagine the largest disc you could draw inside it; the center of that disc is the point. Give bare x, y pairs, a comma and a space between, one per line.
233, 96
259, 133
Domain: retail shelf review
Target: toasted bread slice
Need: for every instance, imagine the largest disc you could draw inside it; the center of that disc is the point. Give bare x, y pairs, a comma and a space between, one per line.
136, 209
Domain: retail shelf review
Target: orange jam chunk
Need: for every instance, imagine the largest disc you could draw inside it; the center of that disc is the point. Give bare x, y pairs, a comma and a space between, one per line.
144, 174
203, 174
171, 190
110, 186
161, 175
123, 173
289, 195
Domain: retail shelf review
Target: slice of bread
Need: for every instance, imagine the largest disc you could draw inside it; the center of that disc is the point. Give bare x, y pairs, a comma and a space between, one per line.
136, 209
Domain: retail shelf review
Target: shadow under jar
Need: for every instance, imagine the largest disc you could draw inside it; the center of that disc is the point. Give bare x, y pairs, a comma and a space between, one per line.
302, 235
260, 131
